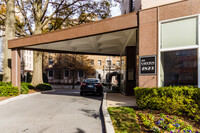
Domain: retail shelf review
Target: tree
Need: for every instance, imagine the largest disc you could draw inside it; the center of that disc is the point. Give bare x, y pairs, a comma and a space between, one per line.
39, 16
62, 11
9, 34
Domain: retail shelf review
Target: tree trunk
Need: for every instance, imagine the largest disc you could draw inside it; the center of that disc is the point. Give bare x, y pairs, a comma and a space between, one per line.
37, 61
37, 56
37, 68
9, 34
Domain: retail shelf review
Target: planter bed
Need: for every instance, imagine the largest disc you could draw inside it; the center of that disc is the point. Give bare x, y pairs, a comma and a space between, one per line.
128, 120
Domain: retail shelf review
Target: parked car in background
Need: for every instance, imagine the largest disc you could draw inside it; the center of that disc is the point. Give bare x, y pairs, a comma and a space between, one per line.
91, 85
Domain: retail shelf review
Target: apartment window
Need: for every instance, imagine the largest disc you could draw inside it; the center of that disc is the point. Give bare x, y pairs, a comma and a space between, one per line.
92, 62
99, 62
118, 63
179, 52
51, 73
108, 63
66, 73
50, 61
80, 73
122, 62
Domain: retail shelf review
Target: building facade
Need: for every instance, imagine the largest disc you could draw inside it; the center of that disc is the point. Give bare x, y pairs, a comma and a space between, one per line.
171, 32
27, 60
102, 67
165, 49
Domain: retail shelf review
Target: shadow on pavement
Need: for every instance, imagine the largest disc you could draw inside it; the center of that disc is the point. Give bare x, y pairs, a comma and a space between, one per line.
72, 92
76, 93
80, 131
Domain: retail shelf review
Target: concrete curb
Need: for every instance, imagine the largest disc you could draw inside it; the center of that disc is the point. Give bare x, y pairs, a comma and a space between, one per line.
21, 97
107, 120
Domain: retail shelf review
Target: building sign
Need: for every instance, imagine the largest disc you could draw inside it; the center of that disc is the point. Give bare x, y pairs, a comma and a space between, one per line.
148, 65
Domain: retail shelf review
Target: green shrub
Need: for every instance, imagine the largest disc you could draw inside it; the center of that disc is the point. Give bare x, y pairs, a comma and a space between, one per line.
43, 87
24, 89
5, 84
182, 100
8, 91
29, 85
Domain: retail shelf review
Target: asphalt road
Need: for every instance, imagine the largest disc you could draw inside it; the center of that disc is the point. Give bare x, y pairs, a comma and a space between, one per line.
62, 111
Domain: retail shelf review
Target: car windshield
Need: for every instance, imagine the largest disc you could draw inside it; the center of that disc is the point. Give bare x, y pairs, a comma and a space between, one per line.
91, 81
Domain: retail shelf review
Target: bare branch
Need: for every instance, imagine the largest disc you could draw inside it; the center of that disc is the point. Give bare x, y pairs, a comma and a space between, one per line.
44, 10
24, 15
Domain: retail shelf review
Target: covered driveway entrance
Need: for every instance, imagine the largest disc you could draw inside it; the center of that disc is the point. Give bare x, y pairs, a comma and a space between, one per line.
115, 36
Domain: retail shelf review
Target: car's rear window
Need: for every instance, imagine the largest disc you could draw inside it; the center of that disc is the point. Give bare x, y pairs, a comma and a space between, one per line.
91, 81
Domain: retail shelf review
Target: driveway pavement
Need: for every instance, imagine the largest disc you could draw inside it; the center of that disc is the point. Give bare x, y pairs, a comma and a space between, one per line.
62, 111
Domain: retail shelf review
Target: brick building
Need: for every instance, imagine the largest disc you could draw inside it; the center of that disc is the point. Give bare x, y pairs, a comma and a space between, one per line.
103, 66
160, 43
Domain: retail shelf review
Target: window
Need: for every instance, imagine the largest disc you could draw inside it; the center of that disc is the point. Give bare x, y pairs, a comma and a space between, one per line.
179, 33
66, 73
179, 68
92, 62
118, 63
122, 62
50, 61
51, 73
99, 62
108, 63
91, 81
80, 73
179, 52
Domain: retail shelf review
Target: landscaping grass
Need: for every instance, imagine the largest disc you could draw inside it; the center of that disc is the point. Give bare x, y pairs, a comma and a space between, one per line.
124, 120
127, 120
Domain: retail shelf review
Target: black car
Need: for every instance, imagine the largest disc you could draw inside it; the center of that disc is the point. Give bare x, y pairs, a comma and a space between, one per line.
91, 86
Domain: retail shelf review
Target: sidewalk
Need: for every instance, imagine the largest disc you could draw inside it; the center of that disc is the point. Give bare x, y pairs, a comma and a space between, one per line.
118, 99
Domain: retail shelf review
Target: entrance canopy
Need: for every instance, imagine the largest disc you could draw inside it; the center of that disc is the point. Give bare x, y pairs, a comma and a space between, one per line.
105, 37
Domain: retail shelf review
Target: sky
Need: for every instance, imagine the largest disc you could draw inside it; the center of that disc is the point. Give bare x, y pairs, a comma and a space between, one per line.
115, 11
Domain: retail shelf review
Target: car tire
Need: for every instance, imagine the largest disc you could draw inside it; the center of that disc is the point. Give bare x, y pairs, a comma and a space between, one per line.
81, 93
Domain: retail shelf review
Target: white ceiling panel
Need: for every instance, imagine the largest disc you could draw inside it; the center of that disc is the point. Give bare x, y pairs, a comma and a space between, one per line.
110, 43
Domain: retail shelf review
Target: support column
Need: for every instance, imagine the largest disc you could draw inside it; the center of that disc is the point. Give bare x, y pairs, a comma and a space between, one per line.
131, 67
16, 68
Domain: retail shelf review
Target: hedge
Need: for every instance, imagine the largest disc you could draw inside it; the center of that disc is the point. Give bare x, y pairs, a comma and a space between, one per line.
6, 88
25, 87
43, 87
182, 100
5, 83
8, 91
